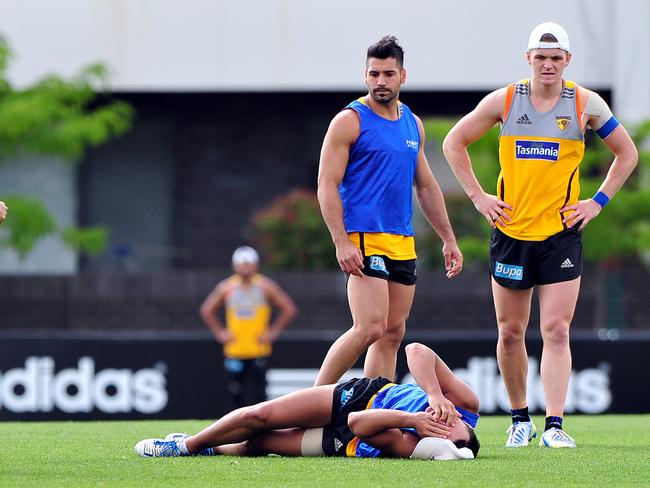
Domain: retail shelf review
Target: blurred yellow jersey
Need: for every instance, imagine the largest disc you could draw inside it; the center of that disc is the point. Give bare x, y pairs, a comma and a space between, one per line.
247, 318
540, 155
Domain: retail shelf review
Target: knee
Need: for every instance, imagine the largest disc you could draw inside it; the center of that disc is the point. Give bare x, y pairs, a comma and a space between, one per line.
395, 333
511, 334
371, 331
556, 333
257, 416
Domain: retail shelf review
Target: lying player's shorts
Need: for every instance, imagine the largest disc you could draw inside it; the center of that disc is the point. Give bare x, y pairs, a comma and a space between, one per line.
520, 265
351, 396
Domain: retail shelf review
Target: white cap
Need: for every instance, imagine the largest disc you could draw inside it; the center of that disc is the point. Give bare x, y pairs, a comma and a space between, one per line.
245, 254
440, 450
555, 30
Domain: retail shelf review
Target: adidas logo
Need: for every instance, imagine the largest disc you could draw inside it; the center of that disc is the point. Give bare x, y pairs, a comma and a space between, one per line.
567, 264
524, 120
337, 444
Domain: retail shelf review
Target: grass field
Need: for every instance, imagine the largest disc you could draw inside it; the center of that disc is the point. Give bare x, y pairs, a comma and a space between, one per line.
613, 451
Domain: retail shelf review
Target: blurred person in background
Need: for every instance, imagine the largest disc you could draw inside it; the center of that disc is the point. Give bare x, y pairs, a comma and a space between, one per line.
248, 299
3, 211
371, 159
537, 216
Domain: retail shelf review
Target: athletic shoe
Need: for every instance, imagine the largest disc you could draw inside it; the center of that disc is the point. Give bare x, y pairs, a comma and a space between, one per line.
177, 436
520, 434
556, 438
157, 448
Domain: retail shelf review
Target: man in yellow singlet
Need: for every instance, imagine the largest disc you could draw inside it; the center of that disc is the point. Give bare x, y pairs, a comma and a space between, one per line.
537, 216
247, 297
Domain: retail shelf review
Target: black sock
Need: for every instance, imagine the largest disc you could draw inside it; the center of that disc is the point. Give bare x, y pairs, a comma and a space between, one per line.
520, 415
553, 422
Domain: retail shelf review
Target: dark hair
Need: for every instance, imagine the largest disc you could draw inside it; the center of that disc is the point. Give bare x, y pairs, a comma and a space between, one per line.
548, 38
387, 47
472, 443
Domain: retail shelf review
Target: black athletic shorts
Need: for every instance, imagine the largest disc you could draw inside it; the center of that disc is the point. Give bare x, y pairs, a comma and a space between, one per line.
351, 396
520, 265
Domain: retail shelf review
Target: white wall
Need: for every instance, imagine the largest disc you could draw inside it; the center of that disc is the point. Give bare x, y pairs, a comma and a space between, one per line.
318, 45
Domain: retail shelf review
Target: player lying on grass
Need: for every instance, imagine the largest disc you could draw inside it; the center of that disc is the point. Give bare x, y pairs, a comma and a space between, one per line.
367, 417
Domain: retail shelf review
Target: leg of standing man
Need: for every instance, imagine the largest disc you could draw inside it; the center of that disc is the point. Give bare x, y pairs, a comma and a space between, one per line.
381, 359
235, 370
513, 312
258, 379
557, 304
369, 304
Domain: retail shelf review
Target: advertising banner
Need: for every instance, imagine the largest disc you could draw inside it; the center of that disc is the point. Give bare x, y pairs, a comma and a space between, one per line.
119, 377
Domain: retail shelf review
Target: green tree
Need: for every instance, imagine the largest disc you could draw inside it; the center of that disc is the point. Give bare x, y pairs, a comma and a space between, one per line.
292, 234
61, 118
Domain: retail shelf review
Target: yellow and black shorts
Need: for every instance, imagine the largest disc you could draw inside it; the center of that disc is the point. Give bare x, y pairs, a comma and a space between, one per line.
387, 256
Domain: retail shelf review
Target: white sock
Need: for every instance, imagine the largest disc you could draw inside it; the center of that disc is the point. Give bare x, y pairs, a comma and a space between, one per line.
182, 447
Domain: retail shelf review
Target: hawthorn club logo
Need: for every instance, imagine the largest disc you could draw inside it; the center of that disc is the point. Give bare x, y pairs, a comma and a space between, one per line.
562, 121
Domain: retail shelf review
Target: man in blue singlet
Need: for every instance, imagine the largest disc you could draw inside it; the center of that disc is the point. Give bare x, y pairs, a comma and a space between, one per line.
372, 157
366, 417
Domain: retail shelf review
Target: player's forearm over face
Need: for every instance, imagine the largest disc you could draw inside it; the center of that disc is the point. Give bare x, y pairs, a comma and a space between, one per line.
368, 423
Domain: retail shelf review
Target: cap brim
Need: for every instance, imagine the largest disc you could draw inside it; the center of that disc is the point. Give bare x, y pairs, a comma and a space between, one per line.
548, 45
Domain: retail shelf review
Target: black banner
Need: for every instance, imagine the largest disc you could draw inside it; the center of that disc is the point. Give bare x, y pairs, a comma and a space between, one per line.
180, 376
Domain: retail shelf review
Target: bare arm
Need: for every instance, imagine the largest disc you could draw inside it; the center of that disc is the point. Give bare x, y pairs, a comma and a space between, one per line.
381, 429
3, 211
625, 160
433, 207
342, 132
287, 309
469, 129
422, 365
209, 310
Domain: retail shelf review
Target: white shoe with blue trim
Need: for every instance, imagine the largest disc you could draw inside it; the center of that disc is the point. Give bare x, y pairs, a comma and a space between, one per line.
157, 448
175, 436
556, 438
520, 434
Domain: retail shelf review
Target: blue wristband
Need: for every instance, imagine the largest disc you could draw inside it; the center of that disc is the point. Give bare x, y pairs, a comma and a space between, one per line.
601, 199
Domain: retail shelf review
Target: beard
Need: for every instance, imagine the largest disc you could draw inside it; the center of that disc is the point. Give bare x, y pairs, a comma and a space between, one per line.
383, 96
